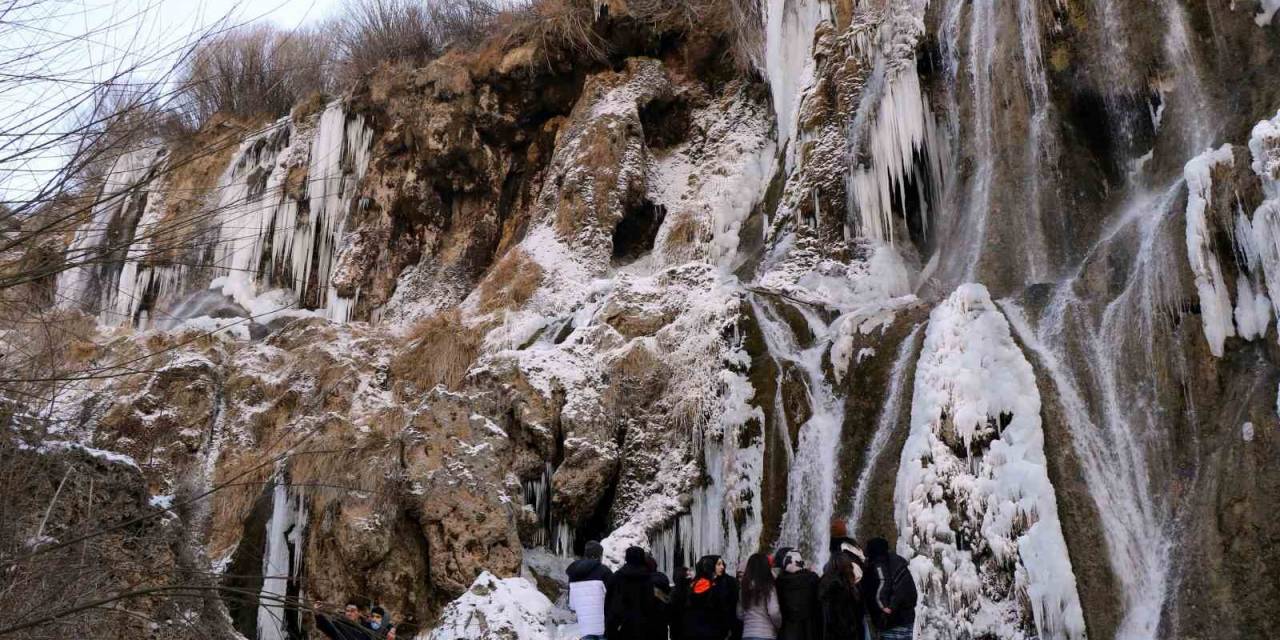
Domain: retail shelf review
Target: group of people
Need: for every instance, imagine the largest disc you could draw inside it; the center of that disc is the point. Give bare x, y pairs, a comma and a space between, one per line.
357, 624
861, 594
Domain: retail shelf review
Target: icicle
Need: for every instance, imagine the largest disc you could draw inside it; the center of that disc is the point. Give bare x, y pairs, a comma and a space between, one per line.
281, 559
125, 186
788, 48
1215, 299
537, 494
903, 130
257, 213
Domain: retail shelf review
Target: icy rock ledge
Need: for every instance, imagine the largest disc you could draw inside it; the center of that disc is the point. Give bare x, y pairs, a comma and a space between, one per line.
500, 609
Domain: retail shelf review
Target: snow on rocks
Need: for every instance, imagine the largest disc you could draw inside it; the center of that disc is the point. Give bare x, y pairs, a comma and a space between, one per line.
497, 609
795, 267
713, 181
1215, 298
976, 512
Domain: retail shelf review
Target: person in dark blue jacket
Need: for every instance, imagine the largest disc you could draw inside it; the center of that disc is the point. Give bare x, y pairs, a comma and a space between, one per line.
889, 591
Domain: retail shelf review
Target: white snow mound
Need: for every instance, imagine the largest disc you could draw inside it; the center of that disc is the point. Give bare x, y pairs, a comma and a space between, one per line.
497, 609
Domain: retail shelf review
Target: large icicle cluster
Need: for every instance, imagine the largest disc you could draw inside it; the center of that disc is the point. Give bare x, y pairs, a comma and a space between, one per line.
123, 199
895, 131
976, 512
276, 239
1256, 251
265, 233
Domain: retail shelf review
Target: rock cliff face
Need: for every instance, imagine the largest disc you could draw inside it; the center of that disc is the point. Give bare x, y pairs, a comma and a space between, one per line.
961, 273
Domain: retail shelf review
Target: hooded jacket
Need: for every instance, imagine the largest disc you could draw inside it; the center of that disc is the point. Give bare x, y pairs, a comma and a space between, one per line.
588, 580
633, 610
798, 599
889, 584
707, 606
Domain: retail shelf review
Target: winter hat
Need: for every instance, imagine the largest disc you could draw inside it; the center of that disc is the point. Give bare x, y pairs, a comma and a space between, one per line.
635, 555
877, 548
592, 550
839, 529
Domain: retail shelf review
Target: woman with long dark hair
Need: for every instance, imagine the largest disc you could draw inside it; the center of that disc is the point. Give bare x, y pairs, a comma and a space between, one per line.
842, 608
704, 608
758, 607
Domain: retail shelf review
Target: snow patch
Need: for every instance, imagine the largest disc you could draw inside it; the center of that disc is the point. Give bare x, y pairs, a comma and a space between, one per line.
497, 609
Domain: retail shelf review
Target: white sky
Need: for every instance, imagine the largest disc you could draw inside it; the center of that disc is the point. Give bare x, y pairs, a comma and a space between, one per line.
75, 44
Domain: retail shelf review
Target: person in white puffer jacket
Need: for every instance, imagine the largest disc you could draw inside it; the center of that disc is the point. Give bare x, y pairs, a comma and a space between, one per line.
588, 580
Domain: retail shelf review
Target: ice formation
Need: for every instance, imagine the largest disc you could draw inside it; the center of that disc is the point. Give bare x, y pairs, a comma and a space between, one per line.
124, 194
140, 281
973, 497
788, 60
896, 132
266, 235
268, 241
1215, 298
1266, 12
281, 559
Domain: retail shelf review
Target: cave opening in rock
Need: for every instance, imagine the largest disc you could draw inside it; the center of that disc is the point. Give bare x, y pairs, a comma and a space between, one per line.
596, 526
665, 122
915, 201
634, 235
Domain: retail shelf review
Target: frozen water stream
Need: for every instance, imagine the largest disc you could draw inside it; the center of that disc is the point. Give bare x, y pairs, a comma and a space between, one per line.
811, 476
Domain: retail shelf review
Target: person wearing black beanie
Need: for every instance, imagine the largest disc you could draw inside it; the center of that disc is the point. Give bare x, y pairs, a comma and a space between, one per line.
633, 610
889, 591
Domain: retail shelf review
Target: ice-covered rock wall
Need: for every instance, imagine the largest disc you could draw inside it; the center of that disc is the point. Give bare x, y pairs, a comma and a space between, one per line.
958, 273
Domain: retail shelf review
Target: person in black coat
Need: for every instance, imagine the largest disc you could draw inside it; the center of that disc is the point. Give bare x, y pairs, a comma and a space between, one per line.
842, 609
349, 627
661, 588
797, 596
706, 607
632, 608
889, 590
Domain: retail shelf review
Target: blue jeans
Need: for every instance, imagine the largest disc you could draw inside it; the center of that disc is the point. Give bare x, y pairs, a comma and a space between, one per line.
896, 633
592, 637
